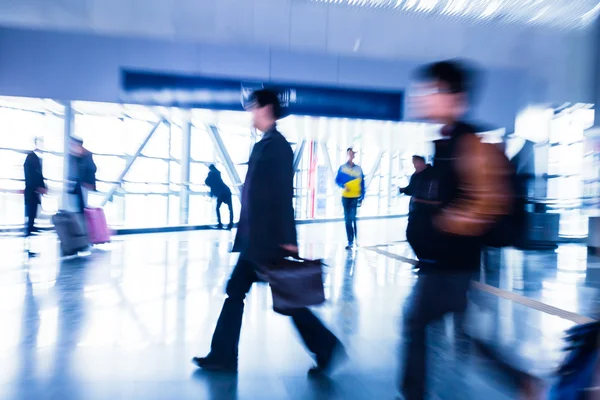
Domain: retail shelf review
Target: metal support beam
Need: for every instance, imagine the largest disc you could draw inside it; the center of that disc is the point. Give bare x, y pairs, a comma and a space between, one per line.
328, 165
184, 191
298, 152
214, 134
129, 164
69, 122
373, 171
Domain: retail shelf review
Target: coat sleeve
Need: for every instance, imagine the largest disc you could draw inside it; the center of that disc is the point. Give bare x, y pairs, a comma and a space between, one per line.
363, 189
281, 182
484, 187
408, 190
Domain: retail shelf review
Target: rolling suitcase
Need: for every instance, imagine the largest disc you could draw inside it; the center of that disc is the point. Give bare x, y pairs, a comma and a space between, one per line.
97, 226
71, 231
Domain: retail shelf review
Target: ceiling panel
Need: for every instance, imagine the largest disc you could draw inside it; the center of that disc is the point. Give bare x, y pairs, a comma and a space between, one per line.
560, 13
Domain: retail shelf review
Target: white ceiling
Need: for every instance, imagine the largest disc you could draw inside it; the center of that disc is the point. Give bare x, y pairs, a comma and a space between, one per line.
573, 14
296, 25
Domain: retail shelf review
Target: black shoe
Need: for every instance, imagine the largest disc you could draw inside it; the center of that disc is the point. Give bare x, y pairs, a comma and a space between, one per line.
229, 227
220, 227
350, 246
211, 365
337, 357
31, 254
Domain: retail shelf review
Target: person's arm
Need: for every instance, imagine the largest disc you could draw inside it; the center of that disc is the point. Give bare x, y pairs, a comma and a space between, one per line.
362, 186
27, 170
43, 189
339, 180
484, 184
282, 177
408, 190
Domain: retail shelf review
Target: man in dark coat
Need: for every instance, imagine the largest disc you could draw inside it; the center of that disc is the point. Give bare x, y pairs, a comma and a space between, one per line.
266, 233
221, 192
35, 187
82, 173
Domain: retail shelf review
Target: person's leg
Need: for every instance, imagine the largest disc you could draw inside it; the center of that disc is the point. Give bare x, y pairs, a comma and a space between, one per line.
219, 203
423, 307
224, 345
319, 340
31, 213
353, 212
348, 220
230, 205
80, 201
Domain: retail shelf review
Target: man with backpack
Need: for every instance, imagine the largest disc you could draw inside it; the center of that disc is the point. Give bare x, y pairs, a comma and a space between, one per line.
447, 230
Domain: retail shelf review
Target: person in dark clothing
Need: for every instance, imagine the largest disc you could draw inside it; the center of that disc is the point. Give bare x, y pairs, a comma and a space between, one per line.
82, 173
445, 228
415, 180
420, 186
35, 187
221, 192
266, 233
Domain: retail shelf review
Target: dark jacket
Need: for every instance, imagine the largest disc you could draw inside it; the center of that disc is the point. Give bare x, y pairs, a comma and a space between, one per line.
82, 170
218, 188
34, 178
267, 215
421, 186
472, 194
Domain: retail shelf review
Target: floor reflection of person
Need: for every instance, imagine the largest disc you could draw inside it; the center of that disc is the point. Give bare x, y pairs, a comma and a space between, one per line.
27, 386
220, 191
35, 187
348, 312
445, 232
71, 317
266, 233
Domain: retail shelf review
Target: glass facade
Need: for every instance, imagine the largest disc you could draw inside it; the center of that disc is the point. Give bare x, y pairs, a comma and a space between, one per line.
560, 158
152, 161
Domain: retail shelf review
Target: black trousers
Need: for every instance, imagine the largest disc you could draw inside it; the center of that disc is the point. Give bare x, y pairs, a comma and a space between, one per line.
350, 210
31, 210
319, 340
434, 296
225, 199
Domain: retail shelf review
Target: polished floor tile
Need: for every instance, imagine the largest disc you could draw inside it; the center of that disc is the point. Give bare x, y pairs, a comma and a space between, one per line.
124, 322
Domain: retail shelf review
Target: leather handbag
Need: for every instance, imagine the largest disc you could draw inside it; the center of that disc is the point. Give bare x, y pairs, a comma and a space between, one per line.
295, 283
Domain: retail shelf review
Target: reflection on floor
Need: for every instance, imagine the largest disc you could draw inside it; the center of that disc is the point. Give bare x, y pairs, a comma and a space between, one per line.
124, 322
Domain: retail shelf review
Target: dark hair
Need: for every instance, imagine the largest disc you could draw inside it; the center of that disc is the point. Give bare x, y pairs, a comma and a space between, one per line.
456, 75
350, 149
420, 158
266, 97
212, 167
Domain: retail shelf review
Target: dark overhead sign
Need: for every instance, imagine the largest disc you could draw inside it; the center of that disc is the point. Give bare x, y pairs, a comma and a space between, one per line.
227, 94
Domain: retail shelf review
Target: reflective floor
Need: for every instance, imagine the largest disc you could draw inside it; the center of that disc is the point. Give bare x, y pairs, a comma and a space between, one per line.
124, 322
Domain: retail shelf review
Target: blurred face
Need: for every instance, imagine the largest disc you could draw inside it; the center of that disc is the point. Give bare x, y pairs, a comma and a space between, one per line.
39, 144
432, 101
76, 149
419, 164
351, 155
262, 117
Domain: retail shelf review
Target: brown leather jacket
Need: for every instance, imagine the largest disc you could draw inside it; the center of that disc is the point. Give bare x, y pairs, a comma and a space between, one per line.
474, 192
